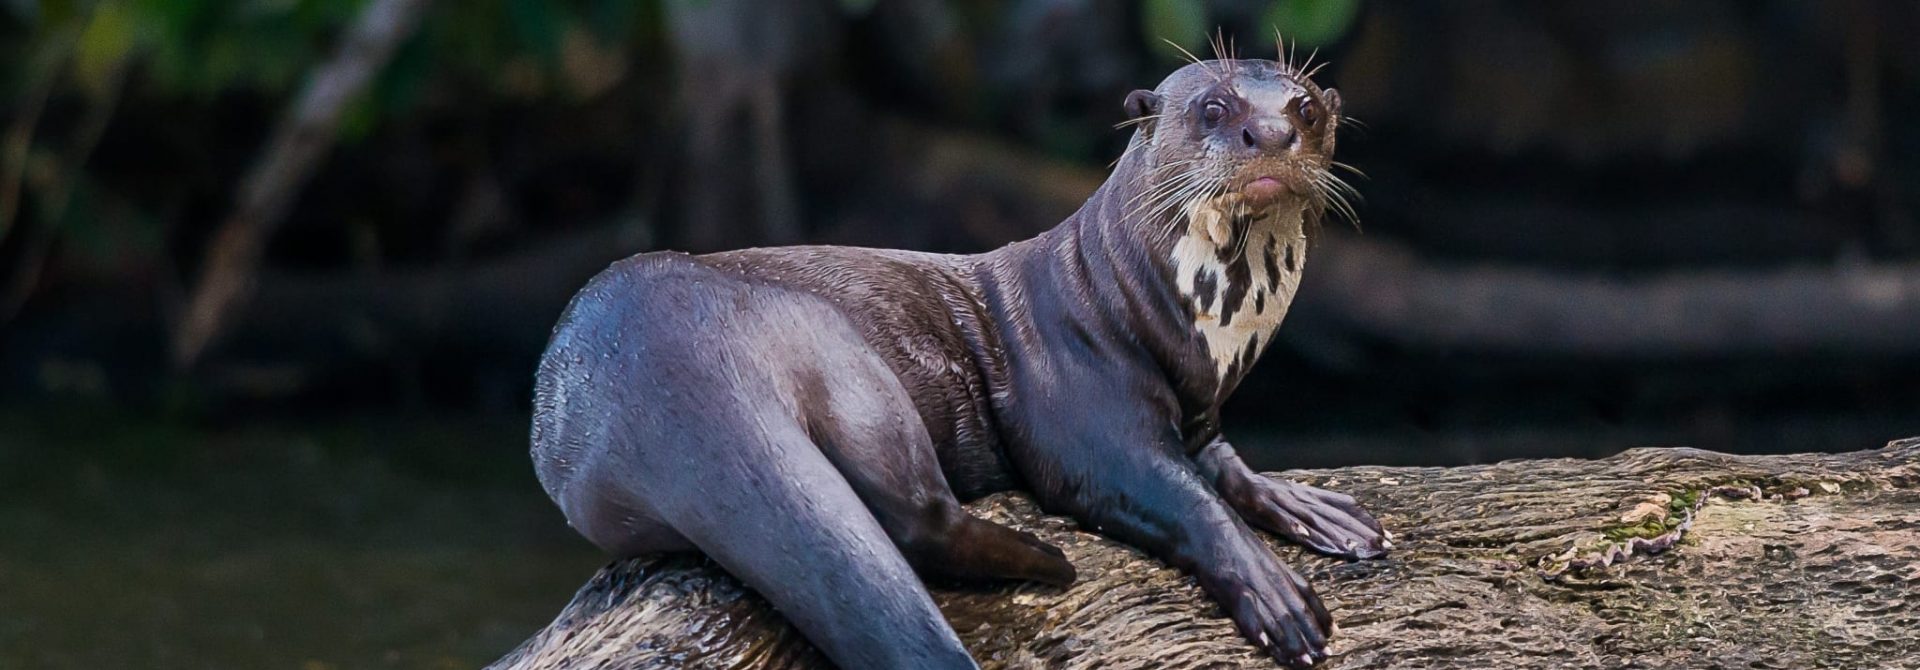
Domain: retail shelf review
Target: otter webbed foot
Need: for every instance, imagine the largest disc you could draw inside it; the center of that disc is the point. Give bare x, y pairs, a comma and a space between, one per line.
1269, 603
1325, 521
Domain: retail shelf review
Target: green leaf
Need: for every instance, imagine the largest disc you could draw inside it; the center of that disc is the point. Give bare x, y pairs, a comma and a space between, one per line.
104, 44
1182, 22
1312, 24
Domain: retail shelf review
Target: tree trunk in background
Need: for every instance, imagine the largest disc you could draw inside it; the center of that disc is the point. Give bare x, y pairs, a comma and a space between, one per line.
1787, 561
736, 60
298, 145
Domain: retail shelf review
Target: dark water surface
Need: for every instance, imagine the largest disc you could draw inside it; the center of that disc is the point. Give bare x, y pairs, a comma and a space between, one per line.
355, 544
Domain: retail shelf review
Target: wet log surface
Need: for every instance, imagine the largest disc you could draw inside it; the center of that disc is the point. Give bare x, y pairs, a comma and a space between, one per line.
1795, 561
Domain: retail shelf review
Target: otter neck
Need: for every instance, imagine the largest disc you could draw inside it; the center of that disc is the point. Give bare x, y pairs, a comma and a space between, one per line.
1200, 290
1237, 270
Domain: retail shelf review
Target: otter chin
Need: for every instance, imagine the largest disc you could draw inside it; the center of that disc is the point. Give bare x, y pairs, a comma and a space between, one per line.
812, 418
1263, 191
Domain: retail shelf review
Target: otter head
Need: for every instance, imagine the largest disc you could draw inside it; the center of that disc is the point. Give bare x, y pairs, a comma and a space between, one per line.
1244, 136
1235, 157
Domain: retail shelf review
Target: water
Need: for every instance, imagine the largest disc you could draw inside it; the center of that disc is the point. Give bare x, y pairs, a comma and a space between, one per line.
349, 544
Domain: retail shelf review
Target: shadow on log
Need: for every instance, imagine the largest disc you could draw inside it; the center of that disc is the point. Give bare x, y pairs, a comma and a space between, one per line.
1769, 561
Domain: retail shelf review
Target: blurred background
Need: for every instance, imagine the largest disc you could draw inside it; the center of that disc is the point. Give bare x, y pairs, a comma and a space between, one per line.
274, 273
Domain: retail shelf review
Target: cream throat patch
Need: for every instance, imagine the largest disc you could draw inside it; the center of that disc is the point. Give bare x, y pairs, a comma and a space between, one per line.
1237, 270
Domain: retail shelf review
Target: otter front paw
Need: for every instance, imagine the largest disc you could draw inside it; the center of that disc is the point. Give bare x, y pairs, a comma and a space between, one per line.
1274, 608
1325, 521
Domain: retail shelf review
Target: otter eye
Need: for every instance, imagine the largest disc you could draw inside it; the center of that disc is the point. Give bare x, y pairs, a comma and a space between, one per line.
1213, 112
1309, 112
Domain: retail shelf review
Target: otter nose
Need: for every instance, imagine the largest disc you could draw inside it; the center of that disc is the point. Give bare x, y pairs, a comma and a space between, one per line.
1268, 134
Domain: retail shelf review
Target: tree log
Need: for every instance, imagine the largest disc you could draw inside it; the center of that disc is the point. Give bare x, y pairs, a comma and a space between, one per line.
1386, 292
1651, 558
1357, 288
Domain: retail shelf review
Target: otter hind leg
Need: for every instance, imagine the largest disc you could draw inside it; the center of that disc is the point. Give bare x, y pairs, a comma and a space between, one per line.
872, 434
794, 531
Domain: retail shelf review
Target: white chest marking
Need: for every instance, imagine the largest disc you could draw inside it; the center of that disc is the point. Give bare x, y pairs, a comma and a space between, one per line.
1238, 299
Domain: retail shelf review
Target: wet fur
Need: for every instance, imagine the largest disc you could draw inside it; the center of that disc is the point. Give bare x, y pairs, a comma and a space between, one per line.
810, 417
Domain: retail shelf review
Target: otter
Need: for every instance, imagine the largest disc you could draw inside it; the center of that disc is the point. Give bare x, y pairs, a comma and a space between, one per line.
811, 418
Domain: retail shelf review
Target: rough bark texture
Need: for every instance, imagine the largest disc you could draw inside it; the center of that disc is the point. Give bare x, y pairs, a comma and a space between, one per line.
1787, 561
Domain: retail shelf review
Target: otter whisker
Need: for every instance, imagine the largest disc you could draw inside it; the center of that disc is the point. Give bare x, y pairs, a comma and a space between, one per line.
1147, 198
1341, 184
1177, 190
1225, 51
1333, 194
1356, 171
1196, 59
1280, 49
1137, 121
1196, 187
1161, 171
1190, 199
1165, 190
1241, 229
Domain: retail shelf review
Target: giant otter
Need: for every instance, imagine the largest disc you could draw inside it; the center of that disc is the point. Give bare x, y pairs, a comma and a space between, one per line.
811, 417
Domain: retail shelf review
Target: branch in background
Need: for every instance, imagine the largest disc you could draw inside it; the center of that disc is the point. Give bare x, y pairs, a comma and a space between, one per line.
509, 302
233, 255
18, 145
58, 196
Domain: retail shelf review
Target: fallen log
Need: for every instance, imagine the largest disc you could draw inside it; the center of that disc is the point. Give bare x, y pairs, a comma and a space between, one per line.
1358, 289
1386, 292
1651, 558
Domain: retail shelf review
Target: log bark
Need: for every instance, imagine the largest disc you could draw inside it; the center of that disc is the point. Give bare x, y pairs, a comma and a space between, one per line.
1651, 558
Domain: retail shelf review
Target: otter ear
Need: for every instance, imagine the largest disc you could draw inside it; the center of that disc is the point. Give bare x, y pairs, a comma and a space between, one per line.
1331, 98
1142, 103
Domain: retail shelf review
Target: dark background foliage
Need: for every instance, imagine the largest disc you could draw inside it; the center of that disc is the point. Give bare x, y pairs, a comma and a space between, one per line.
1587, 226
